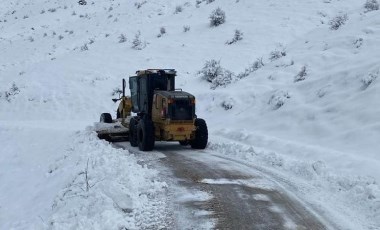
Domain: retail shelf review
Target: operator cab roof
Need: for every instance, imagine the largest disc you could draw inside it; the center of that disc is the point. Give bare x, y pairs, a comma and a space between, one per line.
159, 71
175, 94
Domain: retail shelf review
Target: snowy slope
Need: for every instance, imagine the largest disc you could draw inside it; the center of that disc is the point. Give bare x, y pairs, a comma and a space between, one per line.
61, 62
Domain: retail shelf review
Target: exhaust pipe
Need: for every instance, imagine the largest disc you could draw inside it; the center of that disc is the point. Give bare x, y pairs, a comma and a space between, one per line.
124, 87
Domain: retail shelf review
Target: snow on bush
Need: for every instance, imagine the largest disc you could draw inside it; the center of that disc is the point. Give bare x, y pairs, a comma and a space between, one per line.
178, 9
82, 2
371, 5
278, 99
237, 37
186, 29
84, 47
215, 74
137, 44
338, 21
252, 68
228, 104
301, 75
217, 17
11, 92
211, 70
276, 54
122, 38
369, 79
162, 32
52, 10
223, 79
138, 5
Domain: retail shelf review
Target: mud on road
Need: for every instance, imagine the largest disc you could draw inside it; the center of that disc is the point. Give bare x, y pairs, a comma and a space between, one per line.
238, 197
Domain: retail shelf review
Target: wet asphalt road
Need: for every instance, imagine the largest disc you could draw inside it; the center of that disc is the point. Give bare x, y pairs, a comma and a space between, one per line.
239, 197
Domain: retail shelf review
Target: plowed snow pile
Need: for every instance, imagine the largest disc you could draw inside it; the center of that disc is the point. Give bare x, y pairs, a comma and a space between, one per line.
291, 86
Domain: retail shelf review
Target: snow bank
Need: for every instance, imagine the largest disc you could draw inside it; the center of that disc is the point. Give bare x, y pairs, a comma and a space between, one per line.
350, 200
44, 183
109, 189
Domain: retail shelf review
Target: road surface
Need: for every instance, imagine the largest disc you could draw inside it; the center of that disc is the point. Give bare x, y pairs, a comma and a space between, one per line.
211, 191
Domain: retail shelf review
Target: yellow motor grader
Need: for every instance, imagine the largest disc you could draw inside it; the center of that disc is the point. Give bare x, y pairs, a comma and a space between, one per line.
161, 113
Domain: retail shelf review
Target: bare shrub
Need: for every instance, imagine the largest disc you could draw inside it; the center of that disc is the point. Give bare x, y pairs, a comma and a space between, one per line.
186, 29
371, 5
122, 38
162, 32
224, 79
227, 105
301, 75
116, 91
82, 2
338, 21
237, 37
178, 9
12, 92
138, 5
84, 47
215, 74
217, 17
278, 99
211, 70
369, 79
252, 68
276, 54
137, 44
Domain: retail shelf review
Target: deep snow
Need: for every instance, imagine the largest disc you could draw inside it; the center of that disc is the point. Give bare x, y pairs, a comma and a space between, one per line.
322, 131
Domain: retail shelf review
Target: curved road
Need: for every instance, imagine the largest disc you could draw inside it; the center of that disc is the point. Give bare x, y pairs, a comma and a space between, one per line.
239, 197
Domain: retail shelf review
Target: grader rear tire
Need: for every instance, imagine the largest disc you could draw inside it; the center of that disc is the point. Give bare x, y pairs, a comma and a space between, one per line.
145, 135
201, 135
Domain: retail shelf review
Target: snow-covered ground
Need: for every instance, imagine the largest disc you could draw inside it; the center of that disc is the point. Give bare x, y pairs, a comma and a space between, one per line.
309, 112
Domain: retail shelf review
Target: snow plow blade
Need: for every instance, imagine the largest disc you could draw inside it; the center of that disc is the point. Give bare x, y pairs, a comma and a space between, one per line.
112, 132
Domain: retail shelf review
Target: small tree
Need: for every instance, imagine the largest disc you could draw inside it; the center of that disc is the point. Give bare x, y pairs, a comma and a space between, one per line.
217, 17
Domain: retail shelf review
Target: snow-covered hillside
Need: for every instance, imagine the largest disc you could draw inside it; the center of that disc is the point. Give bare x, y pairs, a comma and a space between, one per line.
299, 94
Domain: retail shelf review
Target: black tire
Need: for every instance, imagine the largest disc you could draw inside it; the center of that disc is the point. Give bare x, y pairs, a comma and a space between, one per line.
133, 132
106, 118
145, 135
184, 143
201, 135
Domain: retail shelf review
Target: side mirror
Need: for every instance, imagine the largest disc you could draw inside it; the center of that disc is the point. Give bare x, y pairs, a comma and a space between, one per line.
115, 100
